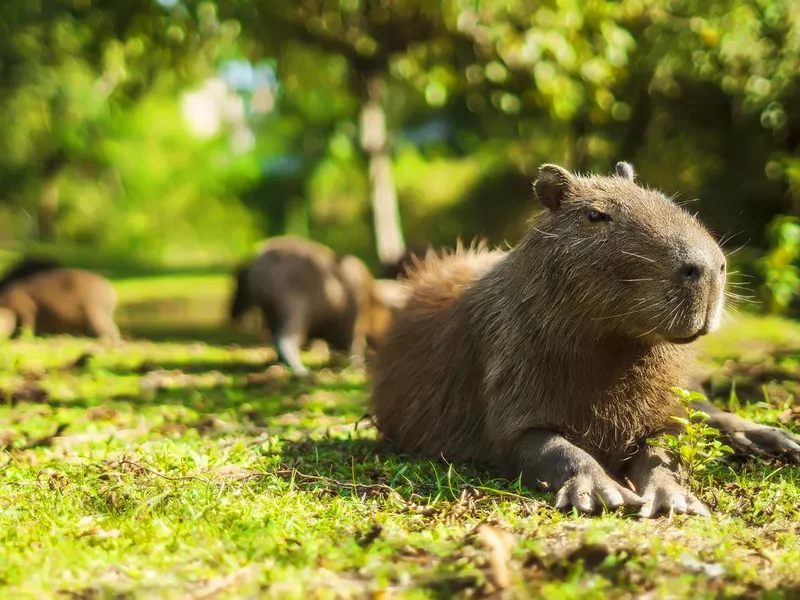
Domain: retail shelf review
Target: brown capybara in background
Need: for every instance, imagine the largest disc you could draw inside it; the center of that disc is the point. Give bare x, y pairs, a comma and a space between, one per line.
28, 266
555, 360
48, 298
306, 292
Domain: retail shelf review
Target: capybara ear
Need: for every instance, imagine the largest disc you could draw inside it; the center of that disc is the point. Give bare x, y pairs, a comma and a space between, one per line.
553, 185
625, 170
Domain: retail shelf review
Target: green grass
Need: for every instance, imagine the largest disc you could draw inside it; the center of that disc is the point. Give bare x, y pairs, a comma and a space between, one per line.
184, 469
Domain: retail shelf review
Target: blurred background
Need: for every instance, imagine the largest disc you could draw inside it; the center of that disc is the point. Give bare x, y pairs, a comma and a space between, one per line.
157, 141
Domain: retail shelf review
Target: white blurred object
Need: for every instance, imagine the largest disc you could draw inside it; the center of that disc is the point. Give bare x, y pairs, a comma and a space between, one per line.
214, 107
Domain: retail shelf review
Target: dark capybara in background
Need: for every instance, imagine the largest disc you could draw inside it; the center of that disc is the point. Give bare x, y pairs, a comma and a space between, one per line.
26, 267
555, 360
48, 298
306, 292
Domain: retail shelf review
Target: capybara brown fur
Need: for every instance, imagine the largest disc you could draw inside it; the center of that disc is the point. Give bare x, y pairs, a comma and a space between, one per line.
50, 299
305, 291
554, 360
28, 266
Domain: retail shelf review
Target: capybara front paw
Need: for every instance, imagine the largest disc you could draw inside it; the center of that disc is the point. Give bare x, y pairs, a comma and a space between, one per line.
592, 491
668, 496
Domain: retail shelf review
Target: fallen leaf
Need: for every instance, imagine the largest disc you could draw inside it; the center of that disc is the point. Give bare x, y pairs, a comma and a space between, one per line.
101, 413
372, 534
215, 587
692, 564
500, 543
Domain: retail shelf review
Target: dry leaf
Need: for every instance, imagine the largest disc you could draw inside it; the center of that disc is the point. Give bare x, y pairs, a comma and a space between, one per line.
500, 544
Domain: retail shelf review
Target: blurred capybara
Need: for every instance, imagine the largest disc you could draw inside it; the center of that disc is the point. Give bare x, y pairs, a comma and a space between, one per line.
306, 292
28, 266
555, 360
47, 298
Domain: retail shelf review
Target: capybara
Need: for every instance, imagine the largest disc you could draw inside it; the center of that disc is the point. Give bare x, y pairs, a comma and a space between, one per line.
305, 291
554, 360
48, 298
28, 266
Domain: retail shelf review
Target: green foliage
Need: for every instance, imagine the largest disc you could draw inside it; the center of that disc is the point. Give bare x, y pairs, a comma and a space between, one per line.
780, 264
697, 446
701, 96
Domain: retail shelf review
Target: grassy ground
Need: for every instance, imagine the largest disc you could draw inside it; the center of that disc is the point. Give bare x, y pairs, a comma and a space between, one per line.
195, 470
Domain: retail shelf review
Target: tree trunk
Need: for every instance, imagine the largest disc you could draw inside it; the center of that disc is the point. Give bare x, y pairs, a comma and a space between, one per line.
52, 167
374, 141
48, 206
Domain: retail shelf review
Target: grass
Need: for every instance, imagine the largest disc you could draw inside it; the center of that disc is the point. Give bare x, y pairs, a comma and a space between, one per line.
185, 469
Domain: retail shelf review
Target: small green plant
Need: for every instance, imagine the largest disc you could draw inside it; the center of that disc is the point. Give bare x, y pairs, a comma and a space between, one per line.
698, 446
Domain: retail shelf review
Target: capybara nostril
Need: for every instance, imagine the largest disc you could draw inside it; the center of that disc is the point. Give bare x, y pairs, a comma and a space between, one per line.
690, 272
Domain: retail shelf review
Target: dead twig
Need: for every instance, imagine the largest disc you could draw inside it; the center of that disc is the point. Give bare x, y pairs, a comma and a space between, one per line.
152, 471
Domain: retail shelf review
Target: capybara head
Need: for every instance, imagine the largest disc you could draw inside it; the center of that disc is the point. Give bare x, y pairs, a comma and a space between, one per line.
241, 300
640, 265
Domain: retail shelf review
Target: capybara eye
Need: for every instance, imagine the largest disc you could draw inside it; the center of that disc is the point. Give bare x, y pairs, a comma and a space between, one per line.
595, 216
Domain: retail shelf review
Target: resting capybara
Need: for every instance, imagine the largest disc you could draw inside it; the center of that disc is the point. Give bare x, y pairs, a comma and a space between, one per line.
50, 299
306, 292
554, 360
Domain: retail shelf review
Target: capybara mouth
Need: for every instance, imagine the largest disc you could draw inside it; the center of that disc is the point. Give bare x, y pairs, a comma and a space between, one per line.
688, 340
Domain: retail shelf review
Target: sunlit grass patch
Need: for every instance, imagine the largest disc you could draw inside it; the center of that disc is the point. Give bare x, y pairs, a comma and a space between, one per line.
167, 469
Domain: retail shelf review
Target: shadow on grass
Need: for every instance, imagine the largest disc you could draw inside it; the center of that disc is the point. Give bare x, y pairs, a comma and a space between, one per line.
252, 402
366, 467
776, 375
210, 334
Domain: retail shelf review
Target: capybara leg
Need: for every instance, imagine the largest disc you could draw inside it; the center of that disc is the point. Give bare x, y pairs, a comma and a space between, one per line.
285, 327
550, 461
26, 313
748, 438
288, 345
358, 350
8, 322
654, 474
100, 324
